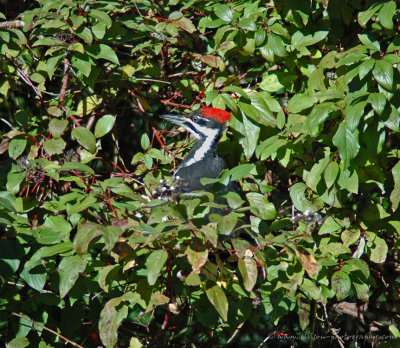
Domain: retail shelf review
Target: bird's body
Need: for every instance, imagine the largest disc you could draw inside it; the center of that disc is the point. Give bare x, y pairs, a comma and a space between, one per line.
206, 126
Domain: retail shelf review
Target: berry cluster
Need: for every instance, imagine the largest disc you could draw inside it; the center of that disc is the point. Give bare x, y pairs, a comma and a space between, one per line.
308, 217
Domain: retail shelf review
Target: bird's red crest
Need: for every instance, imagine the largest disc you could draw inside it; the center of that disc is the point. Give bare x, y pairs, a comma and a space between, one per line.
217, 114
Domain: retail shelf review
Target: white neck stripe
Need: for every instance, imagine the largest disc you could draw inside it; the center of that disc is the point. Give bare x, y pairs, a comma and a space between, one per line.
210, 138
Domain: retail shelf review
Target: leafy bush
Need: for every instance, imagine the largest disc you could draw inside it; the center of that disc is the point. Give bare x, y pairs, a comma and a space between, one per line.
90, 255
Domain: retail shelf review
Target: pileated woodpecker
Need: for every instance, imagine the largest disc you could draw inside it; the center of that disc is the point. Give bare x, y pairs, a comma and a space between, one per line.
206, 126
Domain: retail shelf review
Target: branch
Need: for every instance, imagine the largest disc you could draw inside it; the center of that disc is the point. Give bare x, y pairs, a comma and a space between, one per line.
12, 24
46, 328
64, 82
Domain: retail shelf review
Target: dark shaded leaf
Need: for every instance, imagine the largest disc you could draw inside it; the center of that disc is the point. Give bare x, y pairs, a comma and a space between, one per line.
341, 284
218, 299
85, 235
69, 269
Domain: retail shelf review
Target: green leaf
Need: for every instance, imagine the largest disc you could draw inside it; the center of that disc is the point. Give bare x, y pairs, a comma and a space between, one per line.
7, 200
186, 24
227, 224
99, 30
300, 102
378, 252
266, 116
211, 234
110, 320
54, 146
69, 269
386, 14
82, 205
300, 202
350, 237
9, 257
54, 111
85, 138
314, 176
218, 299
276, 45
76, 166
247, 24
107, 276
260, 206
19, 342
111, 235
249, 142
354, 113
358, 265
348, 180
83, 63
341, 284
330, 174
300, 41
362, 290
58, 223
87, 105
102, 17
47, 251
145, 141
223, 12
154, 264
102, 51
318, 116
365, 16
346, 141
197, 256
87, 233
85, 34
76, 21
35, 275
241, 171
378, 102
57, 127
330, 225
365, 68
383, 73
24, 204
370, 42
311, 289
104, 125
395, 194
17, 147
248, 270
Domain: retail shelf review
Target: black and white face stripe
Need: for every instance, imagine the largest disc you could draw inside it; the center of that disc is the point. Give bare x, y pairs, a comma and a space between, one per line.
209, 137
205, 131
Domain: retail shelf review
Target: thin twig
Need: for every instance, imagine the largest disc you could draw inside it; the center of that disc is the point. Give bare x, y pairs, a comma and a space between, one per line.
7, 123
167, 102
28, 81
153, 80
137, 9
46, 328
235, 332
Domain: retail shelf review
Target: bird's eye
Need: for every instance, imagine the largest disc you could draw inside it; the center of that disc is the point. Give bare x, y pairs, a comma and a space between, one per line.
195, 118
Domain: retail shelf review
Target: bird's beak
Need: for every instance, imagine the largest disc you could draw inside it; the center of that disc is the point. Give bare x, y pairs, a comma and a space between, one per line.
177, 119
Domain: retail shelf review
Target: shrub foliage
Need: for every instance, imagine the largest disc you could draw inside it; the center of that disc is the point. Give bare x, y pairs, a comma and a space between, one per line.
92, 253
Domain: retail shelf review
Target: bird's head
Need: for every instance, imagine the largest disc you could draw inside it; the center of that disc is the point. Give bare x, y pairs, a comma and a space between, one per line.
202, 122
